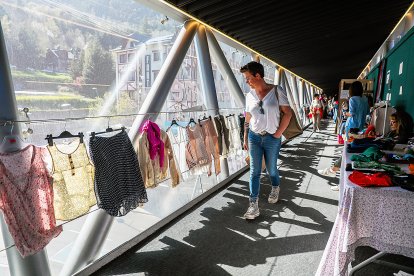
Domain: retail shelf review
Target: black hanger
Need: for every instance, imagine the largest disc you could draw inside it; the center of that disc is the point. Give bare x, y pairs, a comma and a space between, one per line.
191, 121
229, 115
204, 118
64, 134
109, 129
174, 122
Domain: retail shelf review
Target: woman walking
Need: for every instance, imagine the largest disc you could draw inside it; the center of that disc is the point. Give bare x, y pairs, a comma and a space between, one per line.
263, 131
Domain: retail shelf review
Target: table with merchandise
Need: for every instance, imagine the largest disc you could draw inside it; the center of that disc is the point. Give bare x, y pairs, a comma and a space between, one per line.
379, 217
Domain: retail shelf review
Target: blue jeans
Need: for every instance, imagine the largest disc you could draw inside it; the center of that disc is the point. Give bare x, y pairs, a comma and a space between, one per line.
268, 146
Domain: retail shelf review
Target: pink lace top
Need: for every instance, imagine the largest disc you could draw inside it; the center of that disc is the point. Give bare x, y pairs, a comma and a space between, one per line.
26, 199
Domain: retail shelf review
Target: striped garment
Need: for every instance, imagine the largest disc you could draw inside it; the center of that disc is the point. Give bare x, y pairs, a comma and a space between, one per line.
119, 186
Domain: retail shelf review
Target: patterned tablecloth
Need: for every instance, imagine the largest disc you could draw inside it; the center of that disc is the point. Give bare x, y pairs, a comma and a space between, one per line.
382, 218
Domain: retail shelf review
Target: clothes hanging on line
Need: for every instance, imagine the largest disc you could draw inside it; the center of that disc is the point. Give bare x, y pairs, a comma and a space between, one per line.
234, 129
178, 138
211, 143
26, 199
223, 135
73, 180
242, 119
154, 171
119, 186
197, 157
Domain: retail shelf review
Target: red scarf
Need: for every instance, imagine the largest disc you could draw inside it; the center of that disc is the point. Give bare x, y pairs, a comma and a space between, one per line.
156, 145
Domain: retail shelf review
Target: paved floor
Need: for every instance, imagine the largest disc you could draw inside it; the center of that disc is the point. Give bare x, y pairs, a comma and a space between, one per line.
288, 238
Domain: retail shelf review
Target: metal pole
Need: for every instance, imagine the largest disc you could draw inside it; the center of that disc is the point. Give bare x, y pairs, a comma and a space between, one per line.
92, 236
36, 264
209, 87
158, 93
206, 71
225, 69
285, 84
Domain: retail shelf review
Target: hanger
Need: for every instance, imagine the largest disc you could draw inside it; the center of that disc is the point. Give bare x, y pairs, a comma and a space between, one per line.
204, 118
63, 135
191, 121
12, 142
229, 115
173, 122
107, 130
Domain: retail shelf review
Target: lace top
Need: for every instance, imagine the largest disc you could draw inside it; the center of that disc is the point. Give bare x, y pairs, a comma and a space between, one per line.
118, 182
179, 140
26, 199
72, 180
235, 143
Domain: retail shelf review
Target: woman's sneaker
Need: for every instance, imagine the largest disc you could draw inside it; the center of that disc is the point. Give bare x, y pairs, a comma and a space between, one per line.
252, 211
327, 172
274, 194
335, 188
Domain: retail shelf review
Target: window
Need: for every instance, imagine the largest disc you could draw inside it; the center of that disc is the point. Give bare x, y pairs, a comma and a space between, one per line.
155, 73
156, 55
122, 58
131, 76
131, 57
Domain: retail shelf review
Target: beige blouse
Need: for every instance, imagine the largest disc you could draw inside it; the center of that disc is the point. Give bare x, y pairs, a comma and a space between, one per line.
73, 180
151, 172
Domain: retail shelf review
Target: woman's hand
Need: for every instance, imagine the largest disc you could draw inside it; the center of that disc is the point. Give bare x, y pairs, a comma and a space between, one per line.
245, 145
277, 134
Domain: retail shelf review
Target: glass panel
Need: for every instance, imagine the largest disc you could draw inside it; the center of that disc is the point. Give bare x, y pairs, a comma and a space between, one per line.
76, 59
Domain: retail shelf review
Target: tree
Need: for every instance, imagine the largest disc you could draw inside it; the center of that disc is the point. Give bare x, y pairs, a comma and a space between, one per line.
76, 66
98, 66
26, 51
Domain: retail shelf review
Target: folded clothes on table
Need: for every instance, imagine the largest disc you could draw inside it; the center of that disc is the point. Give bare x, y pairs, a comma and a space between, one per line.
373, 165
368, 180
404, 181
370, 154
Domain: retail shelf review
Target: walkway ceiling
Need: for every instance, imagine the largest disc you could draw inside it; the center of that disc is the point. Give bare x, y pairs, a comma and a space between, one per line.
322, 41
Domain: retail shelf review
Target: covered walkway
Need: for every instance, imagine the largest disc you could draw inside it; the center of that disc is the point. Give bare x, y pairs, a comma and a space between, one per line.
286, 239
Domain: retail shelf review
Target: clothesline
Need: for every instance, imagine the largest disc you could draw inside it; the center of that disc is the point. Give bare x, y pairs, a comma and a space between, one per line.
209, 155
89, 212
8, 122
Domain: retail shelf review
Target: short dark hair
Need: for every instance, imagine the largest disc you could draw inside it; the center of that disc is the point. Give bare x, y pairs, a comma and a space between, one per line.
356, 89
253, 68
316, 95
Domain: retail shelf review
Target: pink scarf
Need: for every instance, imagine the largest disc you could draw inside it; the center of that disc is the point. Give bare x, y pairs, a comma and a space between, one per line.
156, 145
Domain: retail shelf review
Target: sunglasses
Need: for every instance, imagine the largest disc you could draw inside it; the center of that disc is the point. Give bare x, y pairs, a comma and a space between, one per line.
261, 107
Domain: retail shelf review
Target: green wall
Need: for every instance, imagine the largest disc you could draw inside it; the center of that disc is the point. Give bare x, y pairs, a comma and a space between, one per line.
400, 86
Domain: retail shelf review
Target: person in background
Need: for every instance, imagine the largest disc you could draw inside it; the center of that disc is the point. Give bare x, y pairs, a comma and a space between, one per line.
316, 109
358, 108
401, 125
335, 107
264, 127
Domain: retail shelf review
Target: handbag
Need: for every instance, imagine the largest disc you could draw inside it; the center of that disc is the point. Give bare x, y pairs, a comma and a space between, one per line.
247, 159
293, 129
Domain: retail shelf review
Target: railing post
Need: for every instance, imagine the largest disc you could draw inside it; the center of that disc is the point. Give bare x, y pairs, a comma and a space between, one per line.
36, 264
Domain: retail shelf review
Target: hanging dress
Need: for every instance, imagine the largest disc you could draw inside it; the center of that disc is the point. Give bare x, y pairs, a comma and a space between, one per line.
234, 129
197, 157
211, 142
119, 187
26, 199
72, 180
179, 140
